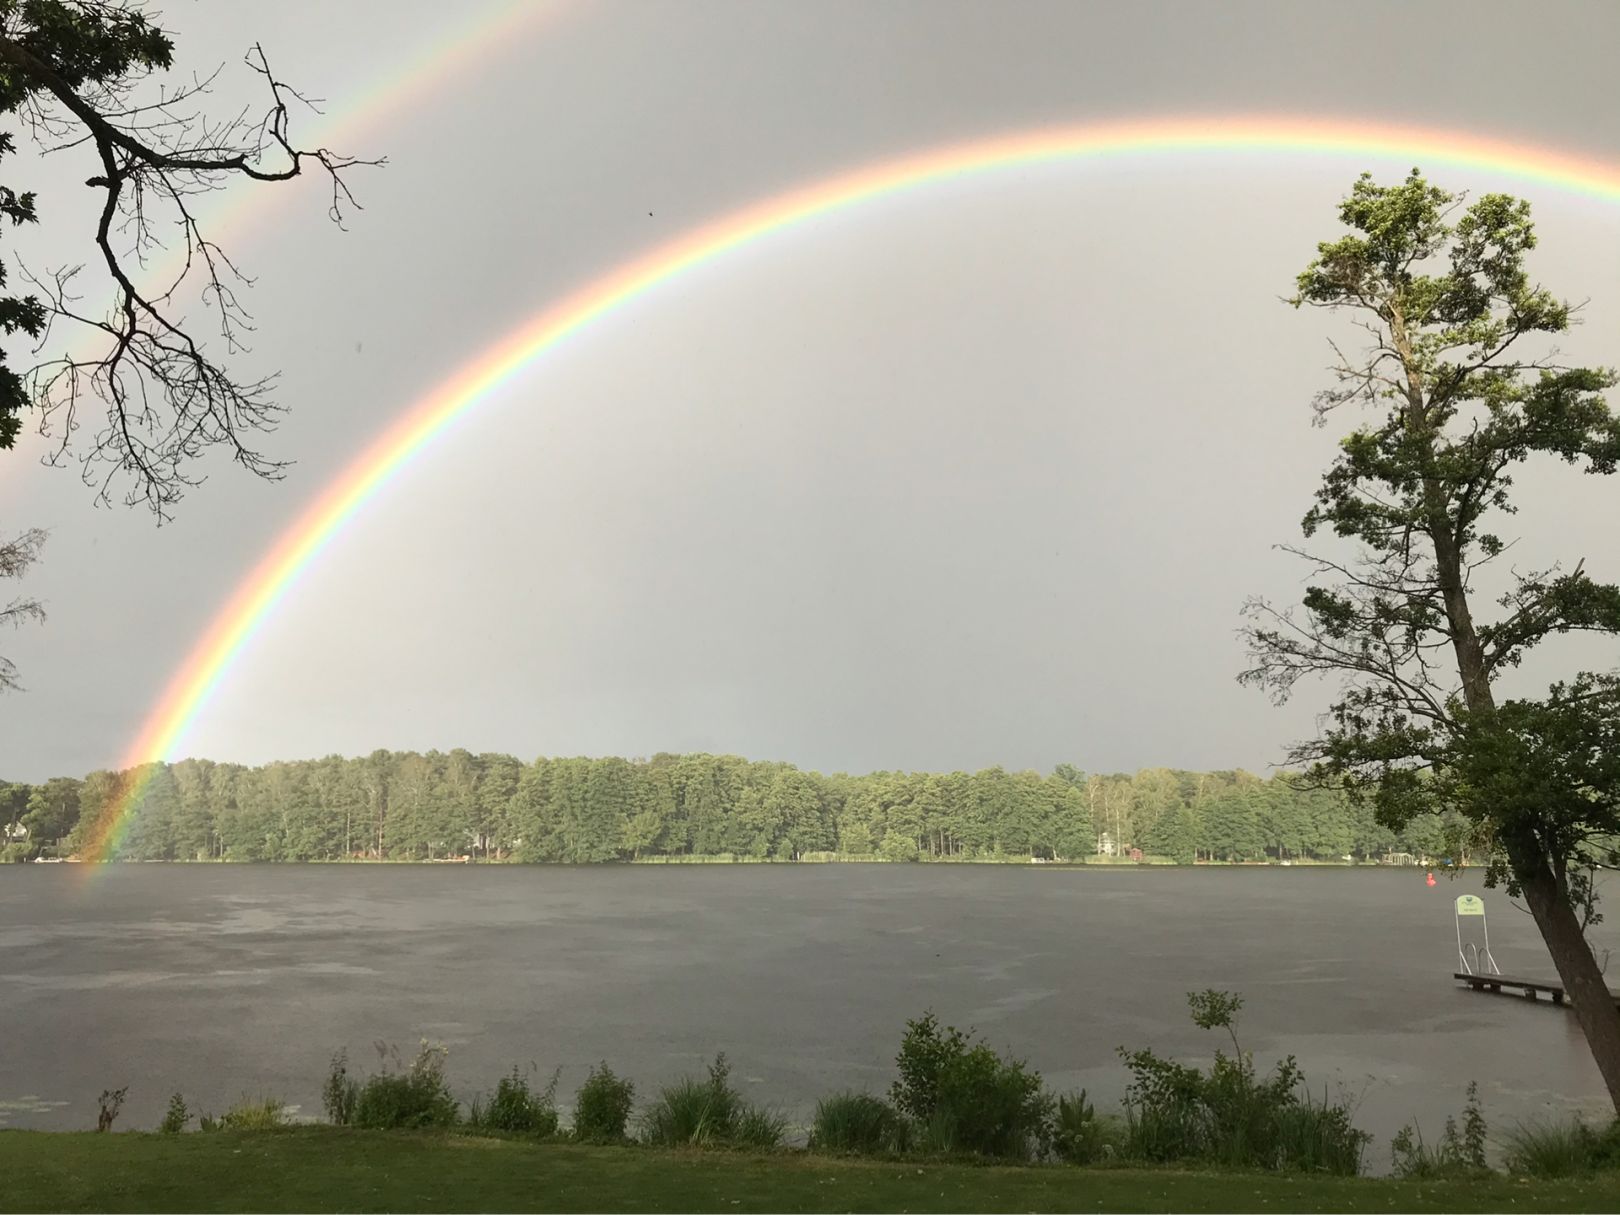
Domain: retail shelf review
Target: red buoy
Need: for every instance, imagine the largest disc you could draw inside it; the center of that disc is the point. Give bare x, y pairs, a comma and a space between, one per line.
1429, 881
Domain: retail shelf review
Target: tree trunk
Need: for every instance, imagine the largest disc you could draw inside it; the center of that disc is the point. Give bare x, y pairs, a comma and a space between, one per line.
1584, 984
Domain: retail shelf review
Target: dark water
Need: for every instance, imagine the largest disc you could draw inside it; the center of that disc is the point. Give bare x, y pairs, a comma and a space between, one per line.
224, 981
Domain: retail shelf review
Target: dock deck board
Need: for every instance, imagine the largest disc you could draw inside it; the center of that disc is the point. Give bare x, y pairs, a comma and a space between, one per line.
1530, 988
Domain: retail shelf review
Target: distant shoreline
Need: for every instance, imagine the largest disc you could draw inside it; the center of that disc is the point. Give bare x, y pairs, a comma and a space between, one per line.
1031, 863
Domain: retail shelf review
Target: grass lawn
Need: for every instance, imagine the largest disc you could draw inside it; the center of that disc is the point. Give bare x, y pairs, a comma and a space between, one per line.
322, 1169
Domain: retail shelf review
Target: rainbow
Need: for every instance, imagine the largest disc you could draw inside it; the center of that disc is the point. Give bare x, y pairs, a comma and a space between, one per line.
301, 544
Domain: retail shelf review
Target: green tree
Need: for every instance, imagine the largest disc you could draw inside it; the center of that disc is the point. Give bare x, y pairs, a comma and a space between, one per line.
1457, 404
53, 812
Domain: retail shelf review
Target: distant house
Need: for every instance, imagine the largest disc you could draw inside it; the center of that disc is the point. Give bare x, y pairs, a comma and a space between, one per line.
1399, 858
1105, 845
1135, 854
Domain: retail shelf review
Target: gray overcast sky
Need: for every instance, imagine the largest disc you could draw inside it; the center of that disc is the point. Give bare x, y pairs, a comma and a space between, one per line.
976, 475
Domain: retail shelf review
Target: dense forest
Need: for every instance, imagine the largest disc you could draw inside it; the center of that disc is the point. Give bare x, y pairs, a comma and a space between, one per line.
409, 806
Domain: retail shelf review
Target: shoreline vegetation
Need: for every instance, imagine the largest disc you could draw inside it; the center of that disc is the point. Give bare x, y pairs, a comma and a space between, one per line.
695, 809
962, 1127
1147, 862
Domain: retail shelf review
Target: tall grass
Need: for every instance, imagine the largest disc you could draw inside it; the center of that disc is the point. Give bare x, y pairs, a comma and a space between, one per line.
1457, 1153
857, 1122
700, 1112
1562, 1149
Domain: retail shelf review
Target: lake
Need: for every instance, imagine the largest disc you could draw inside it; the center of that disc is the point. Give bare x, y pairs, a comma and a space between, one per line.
222, 981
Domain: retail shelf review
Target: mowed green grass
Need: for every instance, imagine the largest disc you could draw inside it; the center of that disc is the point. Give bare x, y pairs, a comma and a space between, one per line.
325, 1169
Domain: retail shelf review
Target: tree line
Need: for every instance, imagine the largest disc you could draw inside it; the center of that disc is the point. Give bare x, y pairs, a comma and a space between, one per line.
408, 806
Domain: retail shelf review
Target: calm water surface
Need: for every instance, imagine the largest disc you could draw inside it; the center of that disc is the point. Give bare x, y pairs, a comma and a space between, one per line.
224, 981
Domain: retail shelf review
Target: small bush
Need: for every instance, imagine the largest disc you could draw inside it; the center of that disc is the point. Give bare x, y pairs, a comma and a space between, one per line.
1458, 1154
248, 1114
341, 1092
962, 1096
409, 1096
1077, 1135
602, 1107
176, 1117
1562, 1149
515, 1108
856, 1122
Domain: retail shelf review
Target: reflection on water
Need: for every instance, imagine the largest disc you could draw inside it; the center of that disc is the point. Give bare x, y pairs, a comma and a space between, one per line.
221, 981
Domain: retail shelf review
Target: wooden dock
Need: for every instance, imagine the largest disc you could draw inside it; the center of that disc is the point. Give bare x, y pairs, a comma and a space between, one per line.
1530, 988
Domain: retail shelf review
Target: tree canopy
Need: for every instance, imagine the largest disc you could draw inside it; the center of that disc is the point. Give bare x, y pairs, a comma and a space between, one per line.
413, 806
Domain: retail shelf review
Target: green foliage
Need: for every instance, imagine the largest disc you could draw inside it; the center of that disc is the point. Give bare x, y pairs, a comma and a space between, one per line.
341, 1092
250, 1114
602, 1106
175, 1117
1231, 1116
962, 1096
1460, 1153
1078, 1135
407, 806
515, 1108
857, 1123
401, 1096
758, 1128
709, 1111
1563, 1149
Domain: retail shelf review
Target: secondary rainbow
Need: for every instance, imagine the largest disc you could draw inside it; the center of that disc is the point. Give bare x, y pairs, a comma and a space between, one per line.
300, 545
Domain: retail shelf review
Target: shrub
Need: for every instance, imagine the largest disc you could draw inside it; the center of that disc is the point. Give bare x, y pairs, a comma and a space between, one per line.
1563, 1149
962, 1096
175, 1119
110, 1102
250, 1114
341, 1092
413, 1096
856, 1122
1077, 1135
1231, 1116
1456, 1155
602, 1107
514, 1108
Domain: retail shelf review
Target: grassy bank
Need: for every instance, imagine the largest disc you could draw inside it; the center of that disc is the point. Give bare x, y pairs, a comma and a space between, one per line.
326, 1169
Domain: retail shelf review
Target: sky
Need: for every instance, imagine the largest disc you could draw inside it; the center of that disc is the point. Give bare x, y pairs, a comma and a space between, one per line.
980, 474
